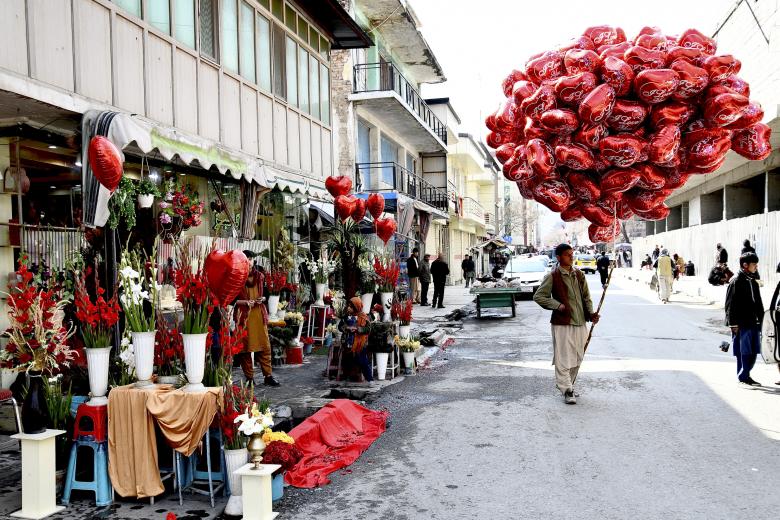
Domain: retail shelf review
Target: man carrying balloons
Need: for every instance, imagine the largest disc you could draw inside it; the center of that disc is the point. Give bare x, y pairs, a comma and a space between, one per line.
565, 292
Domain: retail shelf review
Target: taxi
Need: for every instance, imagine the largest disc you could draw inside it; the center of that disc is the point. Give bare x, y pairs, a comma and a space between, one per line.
585, 263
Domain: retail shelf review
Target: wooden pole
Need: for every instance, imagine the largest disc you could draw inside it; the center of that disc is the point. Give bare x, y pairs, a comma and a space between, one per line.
598, 309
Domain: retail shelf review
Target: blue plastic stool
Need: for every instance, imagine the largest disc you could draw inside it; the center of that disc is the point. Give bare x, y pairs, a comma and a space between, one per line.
100, 482
218, 474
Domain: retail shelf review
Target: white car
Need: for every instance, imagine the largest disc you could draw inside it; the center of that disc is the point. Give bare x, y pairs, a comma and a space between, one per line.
527, 273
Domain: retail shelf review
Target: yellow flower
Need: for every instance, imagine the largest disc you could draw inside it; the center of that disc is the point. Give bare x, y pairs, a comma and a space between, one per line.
271, 436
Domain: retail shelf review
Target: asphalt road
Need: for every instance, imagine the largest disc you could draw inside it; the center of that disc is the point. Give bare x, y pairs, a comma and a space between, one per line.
661, 430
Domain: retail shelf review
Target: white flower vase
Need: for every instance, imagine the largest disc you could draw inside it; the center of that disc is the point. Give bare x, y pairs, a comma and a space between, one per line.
320, 289
408, 360
281, 314
404, 331
367, 299
381, 365
143, 350
194, 361
273, 305
234, 459
97, 366
387, 299
146, 200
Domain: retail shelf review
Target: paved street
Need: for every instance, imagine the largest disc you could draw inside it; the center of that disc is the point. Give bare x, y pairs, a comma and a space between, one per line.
661, 430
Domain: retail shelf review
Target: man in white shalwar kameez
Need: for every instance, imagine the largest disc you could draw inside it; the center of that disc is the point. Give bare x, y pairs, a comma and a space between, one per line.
565, 292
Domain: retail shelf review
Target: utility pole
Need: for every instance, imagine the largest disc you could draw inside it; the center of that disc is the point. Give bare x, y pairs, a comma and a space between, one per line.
495, 195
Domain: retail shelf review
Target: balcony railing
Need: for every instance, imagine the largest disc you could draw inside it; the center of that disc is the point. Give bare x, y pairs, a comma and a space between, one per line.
473, 209
399, 179
378, 77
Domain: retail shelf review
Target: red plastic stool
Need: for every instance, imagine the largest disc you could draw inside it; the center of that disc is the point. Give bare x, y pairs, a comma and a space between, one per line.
97, 416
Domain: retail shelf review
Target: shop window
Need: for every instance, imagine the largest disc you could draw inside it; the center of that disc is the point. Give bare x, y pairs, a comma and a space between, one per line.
247, 42
264, 53
290, 19
229, 37
279, 76
325, 94
314, 84
208, 32
277, 8
184, 22
159, 15
291, 67
131, 6
303, 79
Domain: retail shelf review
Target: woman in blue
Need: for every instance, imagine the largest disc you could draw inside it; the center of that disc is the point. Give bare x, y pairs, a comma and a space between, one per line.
355, 328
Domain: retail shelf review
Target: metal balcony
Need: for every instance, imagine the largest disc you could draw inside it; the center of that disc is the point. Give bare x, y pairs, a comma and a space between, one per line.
383, 176
474, 210
387, 94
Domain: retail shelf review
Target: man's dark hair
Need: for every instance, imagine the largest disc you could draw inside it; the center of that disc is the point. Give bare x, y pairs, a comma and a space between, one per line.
426, 256
561, 248
415, 250
746, 243
748, 258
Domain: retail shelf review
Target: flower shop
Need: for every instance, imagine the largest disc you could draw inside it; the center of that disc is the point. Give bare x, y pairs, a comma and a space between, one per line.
120, 346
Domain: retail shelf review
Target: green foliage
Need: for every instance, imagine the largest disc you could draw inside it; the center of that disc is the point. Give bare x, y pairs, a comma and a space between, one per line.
380, 339
58, 403
121, 205
147, 187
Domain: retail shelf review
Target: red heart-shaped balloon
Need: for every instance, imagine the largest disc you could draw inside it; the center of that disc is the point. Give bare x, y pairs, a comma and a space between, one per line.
639, 59
546, 67
526, 188
505, 151
576, 157
650, 177
603, 233
539, 102
496, 139
226, 274
751, 115
693, 79
605, 35
724, 109
627, 115
597, 105
659, 212
540, 158
511, 79
583, 186
614, 51
621, 150
736, 85
375, 204
671, 113
570, 90
338, 185
656, 42
623, 211
721, 67
753, 142
385, 229
572, 213
583, 42
618, 180
581, 60
692, 56
359, 211
596, 214
522, 90
505, 115
559, 121
706, 148
344, 205
695, 40
656, 85
648, 29
644, 200
490, 123
590, 135
675, 178
664, 144
552, 193
105, 161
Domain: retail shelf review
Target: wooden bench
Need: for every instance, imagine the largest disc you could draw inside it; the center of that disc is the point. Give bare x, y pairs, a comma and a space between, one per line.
495, 298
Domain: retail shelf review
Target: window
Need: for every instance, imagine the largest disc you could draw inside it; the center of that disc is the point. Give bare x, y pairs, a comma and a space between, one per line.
389, 152
303, 30
303, 79
265, 4
314, 84
277, 8
325, 94
291, 69
159, 15
314, 39
410, 162
280, 83
247, 42
184, 22
131, 6
208, 33
264, 52
324, 47
289, 19
364, 152
229, 38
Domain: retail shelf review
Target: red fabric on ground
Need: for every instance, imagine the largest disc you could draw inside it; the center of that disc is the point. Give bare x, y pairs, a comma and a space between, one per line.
331, 439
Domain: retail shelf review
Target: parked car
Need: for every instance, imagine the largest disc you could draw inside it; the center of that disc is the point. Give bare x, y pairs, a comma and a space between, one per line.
585, 263
528, 272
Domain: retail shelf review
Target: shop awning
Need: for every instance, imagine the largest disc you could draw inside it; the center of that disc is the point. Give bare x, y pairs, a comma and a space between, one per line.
296, 183
128, 130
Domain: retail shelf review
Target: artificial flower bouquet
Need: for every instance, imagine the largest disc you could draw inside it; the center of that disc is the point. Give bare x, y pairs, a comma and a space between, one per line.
276, 281
181, 202
410, 344
98, 316
137, 285
293, 319
402, 311
387, 272
236, 398
321, 268
254, 420
168, 350
280, 449
193, 293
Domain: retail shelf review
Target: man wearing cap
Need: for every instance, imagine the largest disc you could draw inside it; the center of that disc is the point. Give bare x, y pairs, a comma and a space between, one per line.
565, 292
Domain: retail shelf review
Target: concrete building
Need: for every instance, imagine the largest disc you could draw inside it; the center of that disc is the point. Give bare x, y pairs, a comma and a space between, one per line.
386, 135
742, 199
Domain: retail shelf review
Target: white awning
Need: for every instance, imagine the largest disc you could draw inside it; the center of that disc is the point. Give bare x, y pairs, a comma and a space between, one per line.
296, 183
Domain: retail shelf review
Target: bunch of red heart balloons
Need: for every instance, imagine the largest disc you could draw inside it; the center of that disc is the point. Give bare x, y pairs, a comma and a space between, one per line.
348, 206
605, 127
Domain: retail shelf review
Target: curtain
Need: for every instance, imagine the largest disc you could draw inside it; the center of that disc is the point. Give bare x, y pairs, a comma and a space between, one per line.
425, 225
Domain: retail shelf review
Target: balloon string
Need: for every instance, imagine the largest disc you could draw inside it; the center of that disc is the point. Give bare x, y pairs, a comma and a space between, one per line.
606, 285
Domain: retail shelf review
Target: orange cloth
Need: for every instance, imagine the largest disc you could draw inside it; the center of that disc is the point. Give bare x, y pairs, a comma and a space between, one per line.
254, 320
183, 418
362, 320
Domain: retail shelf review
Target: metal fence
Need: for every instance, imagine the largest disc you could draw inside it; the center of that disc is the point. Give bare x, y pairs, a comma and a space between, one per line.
377, 77
399, 179
45, 245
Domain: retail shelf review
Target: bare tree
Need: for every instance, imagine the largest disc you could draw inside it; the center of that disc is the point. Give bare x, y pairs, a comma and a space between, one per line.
520, 218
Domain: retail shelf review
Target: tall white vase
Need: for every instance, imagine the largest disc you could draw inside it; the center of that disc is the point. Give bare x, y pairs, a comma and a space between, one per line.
404, 330
273, 305
408, 360
234, 459
367, 299
387, 299
381, 365
143, 350
319, 289
194, 361
97, 366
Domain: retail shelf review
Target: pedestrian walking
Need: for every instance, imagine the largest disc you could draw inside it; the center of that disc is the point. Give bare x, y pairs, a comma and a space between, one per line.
665, 272
656, 253
413, 270
747, 248
252, 315
744, 314
602, 266
679, 265
565, 292
439, 272
774, 306
468, 268
721, 255
425, 279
